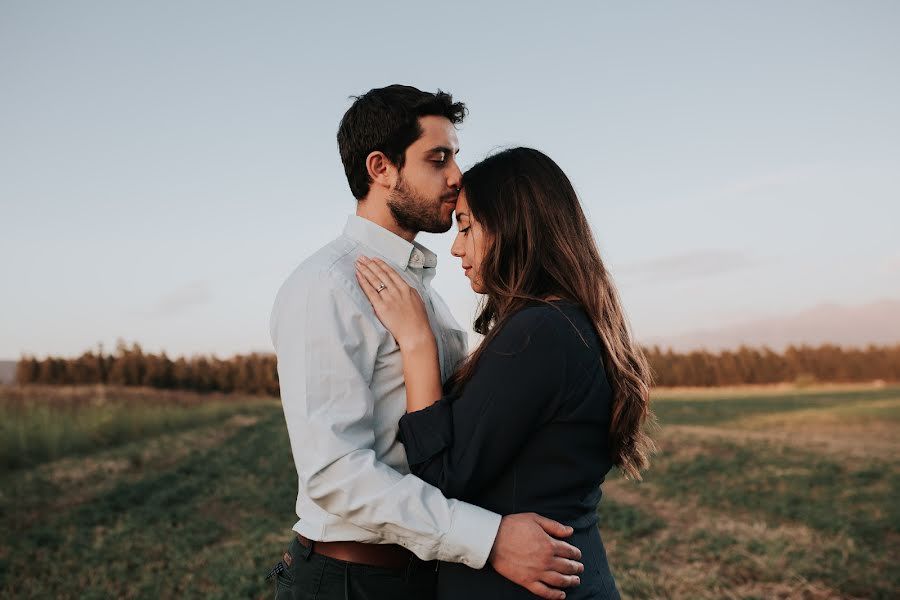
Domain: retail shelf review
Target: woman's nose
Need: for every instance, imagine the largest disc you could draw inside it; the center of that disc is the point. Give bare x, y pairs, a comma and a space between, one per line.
456, 249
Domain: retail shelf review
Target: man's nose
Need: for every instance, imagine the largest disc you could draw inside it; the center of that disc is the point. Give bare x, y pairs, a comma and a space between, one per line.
455, 178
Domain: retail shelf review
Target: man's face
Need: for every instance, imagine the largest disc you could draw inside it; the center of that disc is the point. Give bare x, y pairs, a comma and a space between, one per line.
427, 187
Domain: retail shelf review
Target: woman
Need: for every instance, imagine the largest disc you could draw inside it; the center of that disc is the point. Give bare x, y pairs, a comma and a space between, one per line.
557, 392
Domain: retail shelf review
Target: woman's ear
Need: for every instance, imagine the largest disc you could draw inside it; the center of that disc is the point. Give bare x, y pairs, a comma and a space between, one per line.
381, 171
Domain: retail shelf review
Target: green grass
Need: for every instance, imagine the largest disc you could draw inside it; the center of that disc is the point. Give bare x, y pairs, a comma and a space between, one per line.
201, 505
627, 522
752, 518
208, 526
786, 485
36, 433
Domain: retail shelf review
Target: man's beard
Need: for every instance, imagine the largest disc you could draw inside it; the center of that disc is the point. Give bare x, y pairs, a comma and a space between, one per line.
415, 213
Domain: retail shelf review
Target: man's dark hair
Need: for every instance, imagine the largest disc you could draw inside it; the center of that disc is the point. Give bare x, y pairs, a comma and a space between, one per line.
387, 120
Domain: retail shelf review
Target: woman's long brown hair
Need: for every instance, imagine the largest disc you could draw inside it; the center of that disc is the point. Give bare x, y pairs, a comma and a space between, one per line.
539, 245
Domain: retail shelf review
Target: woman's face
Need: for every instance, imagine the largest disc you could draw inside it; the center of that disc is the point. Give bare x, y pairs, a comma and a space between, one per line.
470, 243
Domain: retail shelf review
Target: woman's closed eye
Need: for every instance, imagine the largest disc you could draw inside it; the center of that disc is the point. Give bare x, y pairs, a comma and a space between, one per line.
463, 231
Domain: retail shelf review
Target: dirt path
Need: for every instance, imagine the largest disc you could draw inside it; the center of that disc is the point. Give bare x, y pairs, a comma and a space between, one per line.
848, 441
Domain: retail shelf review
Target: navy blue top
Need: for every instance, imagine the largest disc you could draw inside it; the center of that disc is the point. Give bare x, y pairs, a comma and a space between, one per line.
529, 432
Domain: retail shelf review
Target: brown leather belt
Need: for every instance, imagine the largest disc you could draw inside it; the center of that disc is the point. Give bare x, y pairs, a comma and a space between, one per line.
390, 556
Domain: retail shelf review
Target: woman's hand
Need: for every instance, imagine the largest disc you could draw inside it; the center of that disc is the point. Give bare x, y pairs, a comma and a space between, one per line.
397, 305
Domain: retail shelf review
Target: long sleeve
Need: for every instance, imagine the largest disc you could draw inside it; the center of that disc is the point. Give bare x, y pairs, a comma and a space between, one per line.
463, 443
327, 345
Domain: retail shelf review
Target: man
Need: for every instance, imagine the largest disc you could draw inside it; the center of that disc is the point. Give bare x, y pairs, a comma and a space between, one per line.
366, 525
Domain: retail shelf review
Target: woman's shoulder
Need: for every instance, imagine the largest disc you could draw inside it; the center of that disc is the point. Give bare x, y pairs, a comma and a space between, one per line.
557, 323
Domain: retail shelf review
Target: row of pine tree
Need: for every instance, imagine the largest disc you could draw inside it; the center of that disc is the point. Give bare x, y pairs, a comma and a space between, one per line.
257, 373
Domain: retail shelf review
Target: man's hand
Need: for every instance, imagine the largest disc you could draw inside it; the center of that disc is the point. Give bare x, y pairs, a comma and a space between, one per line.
525, 553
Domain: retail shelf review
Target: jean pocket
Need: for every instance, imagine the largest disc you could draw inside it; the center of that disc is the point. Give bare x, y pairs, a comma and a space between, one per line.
282, 572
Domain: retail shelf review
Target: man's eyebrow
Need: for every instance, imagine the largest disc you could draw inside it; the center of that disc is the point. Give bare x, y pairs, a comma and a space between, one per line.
444, 149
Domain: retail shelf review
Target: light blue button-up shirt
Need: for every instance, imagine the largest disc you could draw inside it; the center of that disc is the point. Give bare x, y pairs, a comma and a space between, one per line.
342, 390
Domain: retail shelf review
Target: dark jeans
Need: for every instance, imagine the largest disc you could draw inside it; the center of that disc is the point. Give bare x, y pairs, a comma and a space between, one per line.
312, 576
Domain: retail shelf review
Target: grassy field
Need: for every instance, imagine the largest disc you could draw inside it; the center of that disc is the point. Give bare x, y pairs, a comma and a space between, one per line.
763, 494
44, 423
756, 493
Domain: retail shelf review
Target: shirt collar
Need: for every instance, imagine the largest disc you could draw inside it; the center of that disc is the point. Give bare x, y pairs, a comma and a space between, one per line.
390, 245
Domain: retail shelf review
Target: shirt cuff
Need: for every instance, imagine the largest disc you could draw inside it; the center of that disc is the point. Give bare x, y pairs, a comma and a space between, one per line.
425, 433
471, 536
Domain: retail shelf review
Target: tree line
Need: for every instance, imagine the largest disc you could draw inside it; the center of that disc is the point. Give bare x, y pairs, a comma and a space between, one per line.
257, 373
826, 363
131, 366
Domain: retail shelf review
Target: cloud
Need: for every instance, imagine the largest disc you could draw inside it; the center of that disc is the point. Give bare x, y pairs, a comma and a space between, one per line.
850, 326
176, 302
692, 265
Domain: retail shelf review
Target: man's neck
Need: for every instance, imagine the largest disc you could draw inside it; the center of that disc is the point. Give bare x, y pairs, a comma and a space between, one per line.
380, 214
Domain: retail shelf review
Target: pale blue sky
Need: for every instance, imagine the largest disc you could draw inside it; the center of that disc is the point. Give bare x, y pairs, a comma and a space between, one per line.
164, 166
